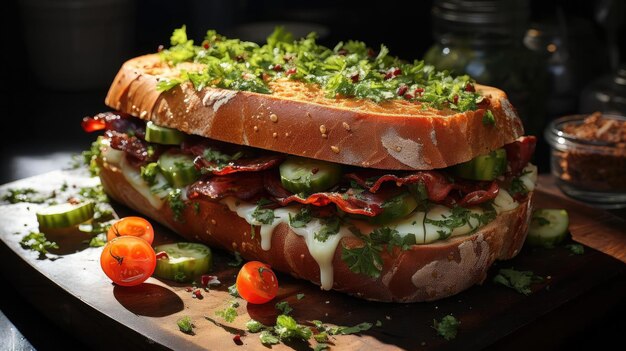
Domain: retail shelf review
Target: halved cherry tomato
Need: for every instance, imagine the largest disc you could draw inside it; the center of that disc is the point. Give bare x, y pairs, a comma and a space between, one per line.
257, 283
128, 260
133, 226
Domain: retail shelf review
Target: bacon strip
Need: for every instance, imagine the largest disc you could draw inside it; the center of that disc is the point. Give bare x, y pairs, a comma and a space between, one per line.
240, 165
131, 145
116, 121
240, 185
519, 153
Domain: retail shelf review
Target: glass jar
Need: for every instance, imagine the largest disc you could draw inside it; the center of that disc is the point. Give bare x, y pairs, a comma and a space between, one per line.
606, 94
484, 39
587, 168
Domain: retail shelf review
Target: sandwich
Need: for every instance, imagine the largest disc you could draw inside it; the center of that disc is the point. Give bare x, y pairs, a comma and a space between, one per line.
347, 167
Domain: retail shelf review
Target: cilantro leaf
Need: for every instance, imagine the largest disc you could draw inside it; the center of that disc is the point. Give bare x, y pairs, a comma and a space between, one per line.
576, 249
363, 260
284, 307
447, 327
331, 227
488, 118
518, 280
229, 313
263, 215
185, 325
176, 203
254, 326
38, 242
300, 219
267, 338
287, 328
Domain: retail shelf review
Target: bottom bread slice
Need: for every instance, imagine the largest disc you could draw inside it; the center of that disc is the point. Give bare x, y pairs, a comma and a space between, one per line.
422, 273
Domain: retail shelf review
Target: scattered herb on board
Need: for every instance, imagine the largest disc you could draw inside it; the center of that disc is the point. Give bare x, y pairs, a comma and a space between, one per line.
185, 325
518, 280
300, 296
232, 291
351, 69
447, 327
229, 313
30, 195
283, 307
576, 249
38, 242
89, 157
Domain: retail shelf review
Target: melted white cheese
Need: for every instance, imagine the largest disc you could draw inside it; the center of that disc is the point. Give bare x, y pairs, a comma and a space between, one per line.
153, 194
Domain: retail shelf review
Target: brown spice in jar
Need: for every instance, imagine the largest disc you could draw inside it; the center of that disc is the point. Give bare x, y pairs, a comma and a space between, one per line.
601, 169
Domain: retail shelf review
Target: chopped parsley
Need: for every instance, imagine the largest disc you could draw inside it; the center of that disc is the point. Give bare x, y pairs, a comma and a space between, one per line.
90, 156
518, 280
576, 249
367, 259
351, 69
331, 227
268, 338
460, 217
229, 313
185, 325
488, 118
263, 215
30, 195
149, 172
38, 242
283, 307
300, 219
517, 187
176, 203
300, 296
232, 291
254, 326
447, 327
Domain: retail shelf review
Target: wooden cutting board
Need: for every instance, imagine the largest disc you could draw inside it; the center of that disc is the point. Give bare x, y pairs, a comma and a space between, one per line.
71, 289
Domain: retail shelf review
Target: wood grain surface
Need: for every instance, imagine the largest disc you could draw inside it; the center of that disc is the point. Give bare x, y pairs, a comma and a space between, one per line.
69, 287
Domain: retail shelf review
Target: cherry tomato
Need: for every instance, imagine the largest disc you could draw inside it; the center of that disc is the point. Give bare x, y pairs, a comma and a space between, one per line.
257, 283
128, 260
133, 226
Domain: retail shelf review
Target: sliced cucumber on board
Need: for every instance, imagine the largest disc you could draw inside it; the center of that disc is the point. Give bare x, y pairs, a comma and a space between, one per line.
184, 262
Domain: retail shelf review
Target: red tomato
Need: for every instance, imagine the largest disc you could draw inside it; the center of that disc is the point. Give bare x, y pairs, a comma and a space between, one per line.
133, 226
128, 260
256, 282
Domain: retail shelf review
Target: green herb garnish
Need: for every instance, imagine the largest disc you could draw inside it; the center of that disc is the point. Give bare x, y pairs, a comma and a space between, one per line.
331, 227
38, 242
263, 215
447, 327
185, 325
300, 219
518, 280
176, 203
351, 69
283, 307
149, 172
488, 118
576, 249
24, 195
229, 313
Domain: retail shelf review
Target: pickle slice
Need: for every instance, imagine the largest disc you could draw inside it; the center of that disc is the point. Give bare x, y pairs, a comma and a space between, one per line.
184, 262
483, 167
548, 227
178, 169
163, 135
303, 175
397, 207
65, 215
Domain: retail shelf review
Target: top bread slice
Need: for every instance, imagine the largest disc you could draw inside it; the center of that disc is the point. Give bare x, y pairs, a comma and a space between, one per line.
298, 119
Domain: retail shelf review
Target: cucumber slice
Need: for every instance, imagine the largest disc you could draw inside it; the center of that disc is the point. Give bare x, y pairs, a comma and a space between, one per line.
483, 167
163, 135
185, 261
304, 175
396, 207
65, 215
178, 169
548, 227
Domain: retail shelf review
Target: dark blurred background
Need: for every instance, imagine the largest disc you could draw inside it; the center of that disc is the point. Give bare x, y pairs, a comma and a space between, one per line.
552, 57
